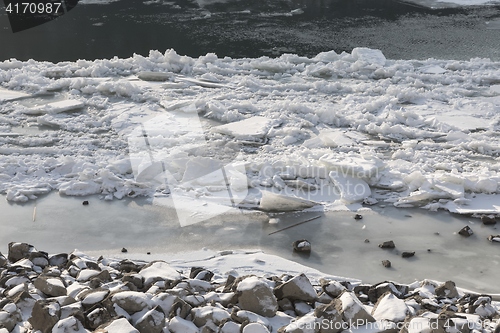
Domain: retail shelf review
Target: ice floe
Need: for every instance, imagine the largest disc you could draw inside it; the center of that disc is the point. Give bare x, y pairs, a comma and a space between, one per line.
335, 129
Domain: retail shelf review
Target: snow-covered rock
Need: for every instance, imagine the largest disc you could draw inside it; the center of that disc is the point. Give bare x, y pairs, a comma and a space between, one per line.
257, 296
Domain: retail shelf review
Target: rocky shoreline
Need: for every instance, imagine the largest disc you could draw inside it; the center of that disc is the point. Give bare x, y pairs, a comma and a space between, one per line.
63, 293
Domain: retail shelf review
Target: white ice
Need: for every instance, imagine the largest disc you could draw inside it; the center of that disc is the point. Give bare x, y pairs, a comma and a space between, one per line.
356, 127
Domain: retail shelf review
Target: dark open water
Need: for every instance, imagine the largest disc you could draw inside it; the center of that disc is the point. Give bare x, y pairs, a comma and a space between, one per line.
252, 28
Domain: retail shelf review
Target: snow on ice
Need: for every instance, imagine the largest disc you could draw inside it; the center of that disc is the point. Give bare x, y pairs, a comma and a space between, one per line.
335, 129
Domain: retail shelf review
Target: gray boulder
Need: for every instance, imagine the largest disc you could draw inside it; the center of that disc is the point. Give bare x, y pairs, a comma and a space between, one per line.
9, 320
391, 308
298, 288
331, 314
131, 301
18, 251
153, 321
256, 295
45, 314
447, 289
3, 260
50, 286
352, 310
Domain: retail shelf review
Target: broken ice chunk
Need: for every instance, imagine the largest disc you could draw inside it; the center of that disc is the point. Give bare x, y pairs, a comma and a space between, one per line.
300, 184
9, 95
353, 166
199, 167
55, 107
155, 76
432, 69
276, 202
251, 129
330, 138
351, 189
371, 56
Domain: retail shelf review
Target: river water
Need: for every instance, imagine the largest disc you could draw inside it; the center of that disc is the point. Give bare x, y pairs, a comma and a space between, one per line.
256, 28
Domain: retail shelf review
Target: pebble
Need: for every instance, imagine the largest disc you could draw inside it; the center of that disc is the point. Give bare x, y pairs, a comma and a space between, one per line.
466, 231
407, 254
386, 263
387, 245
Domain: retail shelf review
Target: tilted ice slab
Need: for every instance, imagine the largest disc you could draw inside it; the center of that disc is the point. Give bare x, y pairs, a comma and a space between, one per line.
224, 131
10, 95
255, 128
55, 107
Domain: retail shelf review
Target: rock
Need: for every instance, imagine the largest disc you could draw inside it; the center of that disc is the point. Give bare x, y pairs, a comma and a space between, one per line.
18, 251
103, 276
447, 289
244, 317
124, 250
302, 246
386, 263
9, 320
68, 325
466, 231
128, 266
152, 321
3, 260
120, 325
302, 308
231, 327
329, 313
254, 328
91, 297
298, 288
58, 260
85, 203
208, 313
332, 288
482, 306
73, 310
352, 310
180, 308
387, 245
158, 271
391, 308
200, 273
379, 289
136, 279
50, 286
96, 317
131, 301
232, 283
494, 238
45, 314
407, 254
285, 305
488, 219
257, 296
87, 274
39, 259
180, 325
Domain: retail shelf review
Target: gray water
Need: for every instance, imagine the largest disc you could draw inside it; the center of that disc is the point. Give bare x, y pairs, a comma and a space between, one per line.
257, 28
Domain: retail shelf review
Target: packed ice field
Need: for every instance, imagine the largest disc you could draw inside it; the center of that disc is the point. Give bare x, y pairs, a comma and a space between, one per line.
337, 130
